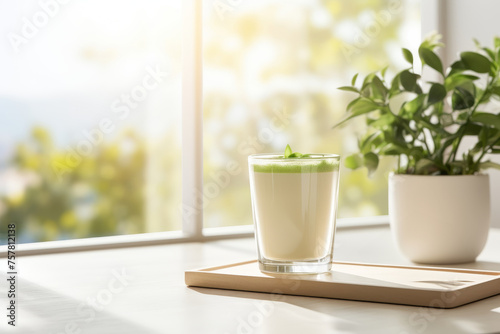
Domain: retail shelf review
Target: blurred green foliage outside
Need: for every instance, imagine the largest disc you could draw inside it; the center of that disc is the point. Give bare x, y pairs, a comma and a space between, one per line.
101, 195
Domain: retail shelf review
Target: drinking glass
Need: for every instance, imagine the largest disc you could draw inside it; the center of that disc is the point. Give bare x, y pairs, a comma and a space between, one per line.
294, 202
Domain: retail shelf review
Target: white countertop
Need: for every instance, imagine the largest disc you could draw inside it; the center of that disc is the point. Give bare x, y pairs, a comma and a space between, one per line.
142, 290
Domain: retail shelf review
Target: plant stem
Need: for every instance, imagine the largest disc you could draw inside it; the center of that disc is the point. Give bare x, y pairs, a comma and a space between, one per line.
483, 153
425, 144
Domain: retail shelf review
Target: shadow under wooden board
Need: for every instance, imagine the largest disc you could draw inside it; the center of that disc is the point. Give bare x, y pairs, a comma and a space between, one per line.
417, 286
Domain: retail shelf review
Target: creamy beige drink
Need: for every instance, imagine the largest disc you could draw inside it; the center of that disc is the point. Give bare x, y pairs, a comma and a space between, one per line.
294, 208
294, 214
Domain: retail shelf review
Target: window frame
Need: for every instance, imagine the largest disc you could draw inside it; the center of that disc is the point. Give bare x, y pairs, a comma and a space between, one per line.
163, 238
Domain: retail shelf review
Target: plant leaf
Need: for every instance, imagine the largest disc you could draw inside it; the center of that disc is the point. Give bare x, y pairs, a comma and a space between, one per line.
352, 103
370, 160
437, 93
483, 135
353, 81
493, 69
425, 167
408, 56
393, 149
395, 83
349, 89
381, 121
456, 67
368, 80
358, 107
493, 136
296, 155
487, 119
495, 90
490, 53
476, 42
462, 99
431, 41
411, 108
288, 151
378, 88
477, 148
475, 62
366, 143
353, 161
431, 59
382, 73
489, 164
472, 129
497, 42
363, 106
458, 79
408, 80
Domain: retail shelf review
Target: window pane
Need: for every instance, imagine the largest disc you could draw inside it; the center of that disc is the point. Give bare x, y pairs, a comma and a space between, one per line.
271, 69
90, 118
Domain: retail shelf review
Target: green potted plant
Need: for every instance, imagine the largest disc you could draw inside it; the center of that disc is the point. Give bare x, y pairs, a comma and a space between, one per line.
439, 200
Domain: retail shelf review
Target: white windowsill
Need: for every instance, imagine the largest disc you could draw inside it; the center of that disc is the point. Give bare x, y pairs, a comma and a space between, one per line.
162, 238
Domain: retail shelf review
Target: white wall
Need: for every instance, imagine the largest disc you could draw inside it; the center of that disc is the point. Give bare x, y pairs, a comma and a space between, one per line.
459, 21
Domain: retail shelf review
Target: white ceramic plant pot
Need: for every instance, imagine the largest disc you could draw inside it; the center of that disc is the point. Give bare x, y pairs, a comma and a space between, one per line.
440, 219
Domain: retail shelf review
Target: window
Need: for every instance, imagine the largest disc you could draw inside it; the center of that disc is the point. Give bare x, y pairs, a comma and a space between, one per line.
271, 69
90, 118
90, 107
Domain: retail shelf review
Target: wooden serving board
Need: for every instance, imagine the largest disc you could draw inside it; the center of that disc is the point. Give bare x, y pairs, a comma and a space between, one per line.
418, 286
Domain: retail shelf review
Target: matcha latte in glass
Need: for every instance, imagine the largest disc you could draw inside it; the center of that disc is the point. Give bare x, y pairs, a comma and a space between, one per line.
294, 201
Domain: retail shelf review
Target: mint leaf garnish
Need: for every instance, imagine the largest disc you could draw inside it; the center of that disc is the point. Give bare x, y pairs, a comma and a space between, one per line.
288, 151
290, 154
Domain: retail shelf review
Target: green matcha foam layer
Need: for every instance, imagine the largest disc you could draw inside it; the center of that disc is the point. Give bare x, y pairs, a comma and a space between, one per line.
297, 167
